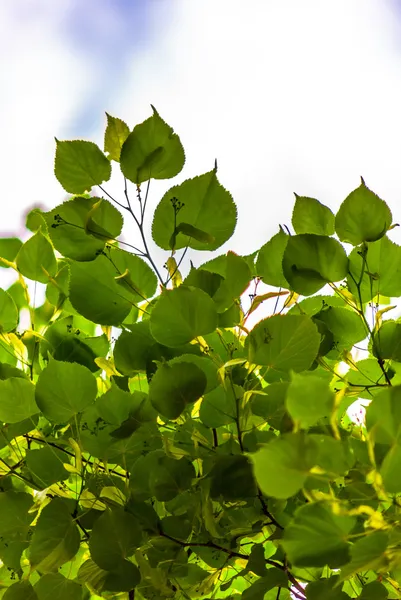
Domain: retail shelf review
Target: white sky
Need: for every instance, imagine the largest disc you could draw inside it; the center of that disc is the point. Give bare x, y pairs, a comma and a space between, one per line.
289, 96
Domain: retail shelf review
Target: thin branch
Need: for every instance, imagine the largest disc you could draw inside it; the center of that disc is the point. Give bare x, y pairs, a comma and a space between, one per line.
111, 198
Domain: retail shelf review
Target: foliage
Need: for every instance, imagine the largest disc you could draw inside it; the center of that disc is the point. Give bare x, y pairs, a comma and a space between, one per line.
153, 444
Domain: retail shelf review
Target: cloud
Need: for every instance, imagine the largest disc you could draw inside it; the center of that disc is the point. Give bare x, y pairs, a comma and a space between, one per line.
289, 96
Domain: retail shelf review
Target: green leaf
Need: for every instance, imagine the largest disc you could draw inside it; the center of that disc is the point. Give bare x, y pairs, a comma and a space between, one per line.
325, 588
21, 590
376, 269
182, 314
232, 478
8, 312
134, 349
282, 466
55, 585
63, 390
36, 259
171, 477
115, 536
309, 398
95, 294
334, 456
388, 341
310, 261
35, 220
79, 165
103, 221
274, 578
390, 469
284, 343
67, 231
347, 326
316, 537
56, 538
205, 363
17, 400
152, 150
9, 248
206, 205
367, 375
237, 276
174, 386
197, 234
122, 579
14, 515
311, 216
383, 416
367, 553
269, 264
272, 406
134, 275
219, 407
115, 135
374, 591
362, 217
46, 466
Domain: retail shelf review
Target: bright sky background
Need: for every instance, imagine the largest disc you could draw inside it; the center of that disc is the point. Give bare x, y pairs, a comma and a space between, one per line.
289, 96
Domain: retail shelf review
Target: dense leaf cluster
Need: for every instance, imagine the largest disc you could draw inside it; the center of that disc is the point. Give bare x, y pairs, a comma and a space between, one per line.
152, 446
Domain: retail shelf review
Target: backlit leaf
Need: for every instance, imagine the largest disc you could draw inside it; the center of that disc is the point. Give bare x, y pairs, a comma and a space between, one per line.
80, 165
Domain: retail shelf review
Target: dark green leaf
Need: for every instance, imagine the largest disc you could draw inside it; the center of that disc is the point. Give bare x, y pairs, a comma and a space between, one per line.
362, 217
115, 536
207, 206
152, 151
95, 293
325, 588
197, 234
270, 260
14, 515
274, 578
55, 585
174, 386
56, 538
122, 579
310, 261
374, 591
171, 477
219, 407
79, 165
17, 400
21, 590
63, 390
46, 466
232, 478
